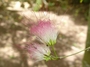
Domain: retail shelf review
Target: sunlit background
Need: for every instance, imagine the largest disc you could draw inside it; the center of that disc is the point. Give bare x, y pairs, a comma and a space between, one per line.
69, 16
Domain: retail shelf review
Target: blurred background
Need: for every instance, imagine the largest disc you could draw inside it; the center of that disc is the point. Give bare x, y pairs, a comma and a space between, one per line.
16, 16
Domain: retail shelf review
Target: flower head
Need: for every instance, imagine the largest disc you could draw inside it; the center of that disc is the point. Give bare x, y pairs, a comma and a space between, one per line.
46, 31
39, 52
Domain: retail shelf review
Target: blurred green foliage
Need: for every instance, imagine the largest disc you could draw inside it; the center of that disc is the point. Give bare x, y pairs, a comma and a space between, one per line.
79, 1
86, 1
37, 5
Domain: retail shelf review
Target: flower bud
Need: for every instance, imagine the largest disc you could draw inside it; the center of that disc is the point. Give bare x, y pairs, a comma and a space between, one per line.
39, 52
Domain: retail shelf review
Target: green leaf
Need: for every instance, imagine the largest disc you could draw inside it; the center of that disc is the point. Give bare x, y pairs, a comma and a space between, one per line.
81, 1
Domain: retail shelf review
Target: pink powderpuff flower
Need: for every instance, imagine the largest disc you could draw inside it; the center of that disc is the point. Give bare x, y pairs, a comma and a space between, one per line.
45, 31
39, 52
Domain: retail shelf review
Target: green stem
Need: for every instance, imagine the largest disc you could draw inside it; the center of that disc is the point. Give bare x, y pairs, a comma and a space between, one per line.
73, 53
86, 57
54, 51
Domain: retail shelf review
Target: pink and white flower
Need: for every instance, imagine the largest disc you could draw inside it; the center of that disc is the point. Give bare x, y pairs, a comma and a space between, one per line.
39, 52
46, 31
